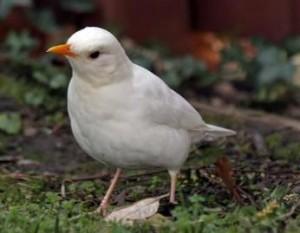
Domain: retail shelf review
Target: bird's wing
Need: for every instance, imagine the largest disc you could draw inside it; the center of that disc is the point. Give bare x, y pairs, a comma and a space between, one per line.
162, 105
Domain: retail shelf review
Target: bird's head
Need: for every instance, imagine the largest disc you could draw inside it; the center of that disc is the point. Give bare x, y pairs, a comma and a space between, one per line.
95, 55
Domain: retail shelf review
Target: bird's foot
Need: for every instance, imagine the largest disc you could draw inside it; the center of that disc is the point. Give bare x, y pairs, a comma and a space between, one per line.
102, 209
173, 202
172, 197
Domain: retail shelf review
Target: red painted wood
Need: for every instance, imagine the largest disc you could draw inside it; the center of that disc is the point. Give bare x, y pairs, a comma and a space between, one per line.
167, 20
268, 18
171, 20
295, 16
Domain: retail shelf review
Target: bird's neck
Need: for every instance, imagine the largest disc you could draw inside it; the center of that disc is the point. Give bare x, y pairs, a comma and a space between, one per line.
106, 76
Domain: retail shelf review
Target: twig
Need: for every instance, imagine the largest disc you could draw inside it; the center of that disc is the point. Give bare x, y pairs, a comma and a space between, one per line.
86, 178
63, 190
250, 116
250, 198
10, 159
291, 212
148, 173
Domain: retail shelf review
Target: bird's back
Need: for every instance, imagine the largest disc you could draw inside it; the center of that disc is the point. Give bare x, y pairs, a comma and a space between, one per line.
162, 105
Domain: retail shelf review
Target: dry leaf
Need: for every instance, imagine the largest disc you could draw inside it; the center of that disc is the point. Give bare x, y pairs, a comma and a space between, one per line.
140, 210
208, 46
225, 171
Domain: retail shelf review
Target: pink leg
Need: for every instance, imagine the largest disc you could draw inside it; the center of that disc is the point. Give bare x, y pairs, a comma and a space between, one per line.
173, 176
102, 209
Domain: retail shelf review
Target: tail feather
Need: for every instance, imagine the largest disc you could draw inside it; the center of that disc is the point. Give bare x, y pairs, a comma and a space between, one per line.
210, 133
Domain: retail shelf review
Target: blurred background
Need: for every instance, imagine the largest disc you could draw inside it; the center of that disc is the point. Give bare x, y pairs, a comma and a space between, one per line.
243, 53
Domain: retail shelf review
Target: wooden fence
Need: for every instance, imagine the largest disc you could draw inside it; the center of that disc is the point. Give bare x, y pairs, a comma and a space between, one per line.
173, 20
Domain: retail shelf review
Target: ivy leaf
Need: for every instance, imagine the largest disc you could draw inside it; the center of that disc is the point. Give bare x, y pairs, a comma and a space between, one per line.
35, 97
7, 5
40, 76
271, 55
58, 81
44, 20
292, 45
172, 79
10, 123
19, 45
272, 73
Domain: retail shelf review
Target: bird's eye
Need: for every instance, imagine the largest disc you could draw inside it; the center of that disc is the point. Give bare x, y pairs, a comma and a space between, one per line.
94, 55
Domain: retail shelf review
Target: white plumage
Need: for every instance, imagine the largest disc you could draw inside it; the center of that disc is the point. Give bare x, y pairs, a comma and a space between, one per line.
122, 114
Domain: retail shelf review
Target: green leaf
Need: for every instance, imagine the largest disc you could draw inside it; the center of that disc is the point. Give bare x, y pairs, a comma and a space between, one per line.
18, 45
292, 45
273, 73
234, 52
58, 81
10, 123
35, 97
190, 66
172, 79
142, 61
40, 76
271, 55
5, 7
44, 20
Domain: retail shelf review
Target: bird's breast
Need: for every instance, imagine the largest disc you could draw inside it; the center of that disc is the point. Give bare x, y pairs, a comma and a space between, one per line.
112, 130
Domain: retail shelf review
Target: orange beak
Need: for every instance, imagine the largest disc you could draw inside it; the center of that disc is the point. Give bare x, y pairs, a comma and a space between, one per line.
63, 49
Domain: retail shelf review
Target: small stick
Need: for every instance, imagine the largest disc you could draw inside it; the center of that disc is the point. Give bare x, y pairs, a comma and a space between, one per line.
291, 212
86, 178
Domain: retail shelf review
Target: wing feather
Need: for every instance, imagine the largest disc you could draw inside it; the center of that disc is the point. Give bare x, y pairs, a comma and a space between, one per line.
162, 105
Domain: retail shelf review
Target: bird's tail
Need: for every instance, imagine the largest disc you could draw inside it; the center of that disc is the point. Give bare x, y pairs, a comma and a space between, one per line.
210, 133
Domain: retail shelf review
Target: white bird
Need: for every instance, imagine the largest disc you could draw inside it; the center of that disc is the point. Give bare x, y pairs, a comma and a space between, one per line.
125, 116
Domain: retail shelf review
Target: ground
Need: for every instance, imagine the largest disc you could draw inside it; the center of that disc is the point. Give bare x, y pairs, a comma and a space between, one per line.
38, 162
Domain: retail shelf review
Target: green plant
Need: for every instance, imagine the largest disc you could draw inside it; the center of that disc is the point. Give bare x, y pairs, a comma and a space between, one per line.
10, 123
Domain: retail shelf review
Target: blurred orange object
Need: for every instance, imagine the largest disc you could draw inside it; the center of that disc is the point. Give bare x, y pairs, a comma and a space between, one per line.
207, 46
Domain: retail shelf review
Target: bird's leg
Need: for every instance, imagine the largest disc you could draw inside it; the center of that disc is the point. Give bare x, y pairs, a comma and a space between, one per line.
173, 176
104, 203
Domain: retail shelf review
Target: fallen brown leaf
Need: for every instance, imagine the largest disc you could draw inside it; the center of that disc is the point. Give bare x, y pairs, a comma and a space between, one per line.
225, 171
140, 210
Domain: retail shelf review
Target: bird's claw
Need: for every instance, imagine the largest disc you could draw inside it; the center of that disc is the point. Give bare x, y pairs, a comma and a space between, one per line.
173, 202
102, 210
